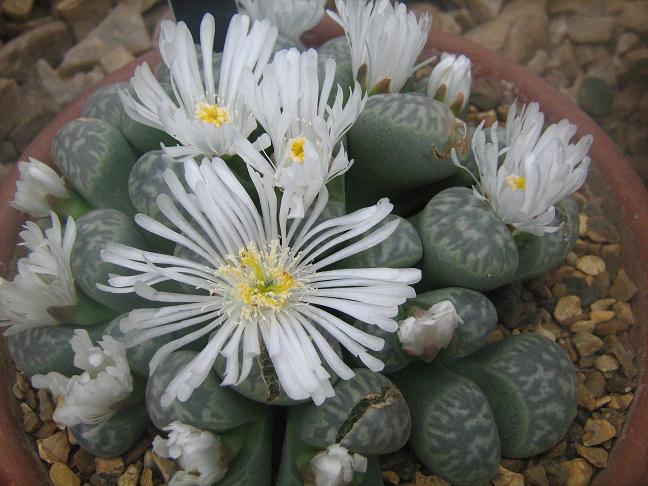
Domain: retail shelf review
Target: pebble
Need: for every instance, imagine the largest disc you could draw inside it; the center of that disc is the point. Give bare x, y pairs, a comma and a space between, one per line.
596, 456
536, 476
45, 405
390, 477
624, 311
623, 289
582, 326
508, 478
595, 97
421, 479
591, 264
619, 351
45, 430
84, 462
131, 476
17, 9
567, 308
31, 422
606, 363
586, 343
54, 448
113, 466
116, 59
602, 304
586, 29
146, 479
597, 431
595, 383
579, 472
620, 401
61, 475
614, 326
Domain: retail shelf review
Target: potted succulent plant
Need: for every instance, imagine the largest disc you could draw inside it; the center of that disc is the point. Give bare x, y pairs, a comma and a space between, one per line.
212, 284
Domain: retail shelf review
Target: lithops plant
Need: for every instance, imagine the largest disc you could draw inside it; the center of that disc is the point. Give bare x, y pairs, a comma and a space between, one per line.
227, 255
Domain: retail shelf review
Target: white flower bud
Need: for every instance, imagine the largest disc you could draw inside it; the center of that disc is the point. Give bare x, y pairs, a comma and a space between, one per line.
335, 466
450, 81
37, 183
426, 333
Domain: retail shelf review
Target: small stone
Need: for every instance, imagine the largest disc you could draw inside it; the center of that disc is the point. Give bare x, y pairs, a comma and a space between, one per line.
113, 466
421, 479
83, 15
71, 437
165, 466
131, 476
602, 304
635, 16
624, 311
539, 62
390, 477
614, 326
10, 100
17, 9
623, 289
45, 430
606, 363
600, 229
61, 475
31, 422
515, 465
508, 478
567, 307
595, 383
621, 354
590, 29
137, 450
620, 401
536, 476
591, 264
601, 315
579, 472
19, 54
45, 406
585, 398
557, 450
595, 97
597, 431
626, 41
146, 479
84, 462
116, 59
54, 448
586, 343
540, 329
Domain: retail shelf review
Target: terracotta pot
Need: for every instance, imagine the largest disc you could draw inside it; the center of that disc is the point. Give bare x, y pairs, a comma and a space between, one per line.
626, 203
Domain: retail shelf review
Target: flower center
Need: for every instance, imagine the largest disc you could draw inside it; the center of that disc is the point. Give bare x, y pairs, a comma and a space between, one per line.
214, 114
260, 279
296, 149
516, 182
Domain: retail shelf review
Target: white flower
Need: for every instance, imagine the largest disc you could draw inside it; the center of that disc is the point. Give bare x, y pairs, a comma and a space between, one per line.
386, 39
539, 169
199, 452
303, 128
450, 81
96, 394
203, 120
37, 185
426, 333
259, 281
292, 17
44, 278
335, 466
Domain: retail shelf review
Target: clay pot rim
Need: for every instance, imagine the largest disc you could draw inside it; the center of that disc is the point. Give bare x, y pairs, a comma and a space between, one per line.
611, 175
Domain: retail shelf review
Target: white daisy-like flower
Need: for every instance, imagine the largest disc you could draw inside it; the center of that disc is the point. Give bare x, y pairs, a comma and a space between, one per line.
336, 467
427, 332
303, 128
540, 168
96, 394
44, 278
199, 452
450, 81
36, 187
385, 41
292, 17
259, 281
205, 121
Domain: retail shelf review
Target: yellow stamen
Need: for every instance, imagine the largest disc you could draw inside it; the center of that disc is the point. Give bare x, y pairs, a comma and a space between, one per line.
516, 182
213, 114
296, 149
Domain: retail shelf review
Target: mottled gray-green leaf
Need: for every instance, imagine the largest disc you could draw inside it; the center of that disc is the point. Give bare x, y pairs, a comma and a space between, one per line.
531, 386
95, 230
115, 436
540, 254
337, 49
106, 105
464, 243
45, 349
210, 406
403, 249
392, 354
403, 141
143, 137
477, 312
96, 159
453, 428
367, 414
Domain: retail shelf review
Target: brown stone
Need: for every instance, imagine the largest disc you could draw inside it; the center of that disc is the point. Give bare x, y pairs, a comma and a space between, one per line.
620, 401
54, 448
590, 29
536, 476
17, 9
508, 478
586, 343
10, 102
586, 399
602, 304
591, 264
113, 466
123, 27
61, 475
615, 326
146, 479
45, 406
115, 59
606, 363
596, 456
84, 462
83, 15
624, 311
137, 450
635, 16
130, 476
619, 351
31, 422
567, 308
390, 477
597, 431
421, 479
19, 55
623, 289
45, 430
579, 472
595, 383
626, 42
